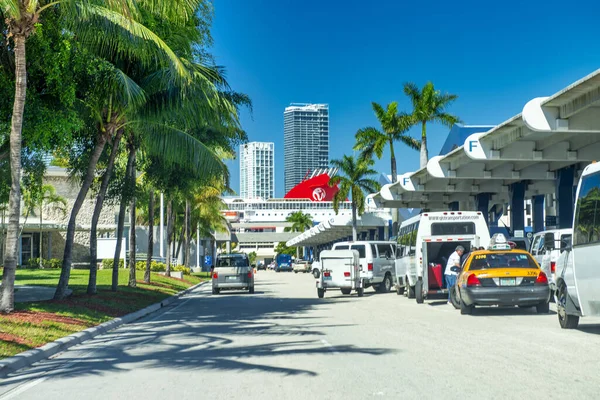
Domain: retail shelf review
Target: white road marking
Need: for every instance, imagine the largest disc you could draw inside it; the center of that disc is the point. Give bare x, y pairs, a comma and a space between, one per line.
20, 389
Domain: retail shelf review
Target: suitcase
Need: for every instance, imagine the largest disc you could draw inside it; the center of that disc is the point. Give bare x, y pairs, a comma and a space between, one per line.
435, 276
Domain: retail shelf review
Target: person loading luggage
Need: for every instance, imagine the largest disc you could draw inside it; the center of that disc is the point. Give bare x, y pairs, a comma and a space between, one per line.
452, 268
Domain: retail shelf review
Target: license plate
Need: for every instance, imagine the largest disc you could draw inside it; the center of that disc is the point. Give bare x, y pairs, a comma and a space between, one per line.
508, 281
327, 278
231, 278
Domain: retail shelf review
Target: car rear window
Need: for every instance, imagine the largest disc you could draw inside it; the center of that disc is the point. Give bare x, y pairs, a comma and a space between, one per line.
360, 248
342, 247
502, 260
232, 262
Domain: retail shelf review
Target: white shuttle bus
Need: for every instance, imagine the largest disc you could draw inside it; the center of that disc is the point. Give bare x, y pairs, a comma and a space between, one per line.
427, 240
578, 267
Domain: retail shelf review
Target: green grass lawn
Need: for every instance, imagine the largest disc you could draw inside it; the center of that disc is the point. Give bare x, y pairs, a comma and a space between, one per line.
35, 324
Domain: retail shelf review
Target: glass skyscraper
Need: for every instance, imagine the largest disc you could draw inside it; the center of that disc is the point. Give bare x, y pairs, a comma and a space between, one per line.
306, 141
257, 170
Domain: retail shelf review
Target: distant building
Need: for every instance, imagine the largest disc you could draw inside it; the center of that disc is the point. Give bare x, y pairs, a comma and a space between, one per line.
306, 141
257, 170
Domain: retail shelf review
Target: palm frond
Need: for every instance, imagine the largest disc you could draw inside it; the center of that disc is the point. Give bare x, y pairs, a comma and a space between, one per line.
10, 9
410, 142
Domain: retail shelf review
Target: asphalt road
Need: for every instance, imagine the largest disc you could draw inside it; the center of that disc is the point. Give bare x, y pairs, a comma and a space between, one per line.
285, 343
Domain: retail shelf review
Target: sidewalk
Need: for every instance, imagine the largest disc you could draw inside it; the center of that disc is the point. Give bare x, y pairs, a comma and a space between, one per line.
27, 294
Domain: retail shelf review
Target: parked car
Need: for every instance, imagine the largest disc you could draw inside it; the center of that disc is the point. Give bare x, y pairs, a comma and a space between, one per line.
501, 276
261, 266
232, 272
546, 247
302, 266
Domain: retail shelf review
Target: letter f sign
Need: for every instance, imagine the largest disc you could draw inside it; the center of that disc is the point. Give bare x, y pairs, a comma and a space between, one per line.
405, 180
472, 145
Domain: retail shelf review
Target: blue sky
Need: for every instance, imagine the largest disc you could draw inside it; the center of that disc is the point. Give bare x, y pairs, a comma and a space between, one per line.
495, 57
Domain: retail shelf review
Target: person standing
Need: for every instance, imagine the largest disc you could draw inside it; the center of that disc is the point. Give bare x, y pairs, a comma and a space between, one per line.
451, 272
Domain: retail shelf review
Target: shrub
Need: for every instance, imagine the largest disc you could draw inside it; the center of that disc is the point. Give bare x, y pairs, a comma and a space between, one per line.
107, 263
181, 268
51, 263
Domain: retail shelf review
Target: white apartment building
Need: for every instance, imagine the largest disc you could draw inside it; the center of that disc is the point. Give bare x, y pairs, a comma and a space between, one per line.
257, 170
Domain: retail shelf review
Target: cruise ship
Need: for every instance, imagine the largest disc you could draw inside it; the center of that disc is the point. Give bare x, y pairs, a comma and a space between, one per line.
259, 225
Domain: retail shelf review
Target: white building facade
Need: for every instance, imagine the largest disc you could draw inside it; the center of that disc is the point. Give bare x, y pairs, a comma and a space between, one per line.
257, 170
306, 141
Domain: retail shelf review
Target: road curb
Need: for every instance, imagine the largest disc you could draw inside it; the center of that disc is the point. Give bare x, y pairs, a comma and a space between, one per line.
29, 357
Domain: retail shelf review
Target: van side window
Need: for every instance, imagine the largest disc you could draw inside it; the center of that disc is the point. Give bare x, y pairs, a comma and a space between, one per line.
586, 228
535, 245
374, 250
385, 250
360, 248
342, 247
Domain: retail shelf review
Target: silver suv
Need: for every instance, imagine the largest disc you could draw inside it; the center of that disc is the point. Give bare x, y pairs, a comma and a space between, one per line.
232, 272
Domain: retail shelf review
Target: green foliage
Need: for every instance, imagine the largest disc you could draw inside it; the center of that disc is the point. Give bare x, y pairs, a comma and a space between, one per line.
300, 222
182, 268
107, 263
252, 257
356, 180
51, 263
281, 248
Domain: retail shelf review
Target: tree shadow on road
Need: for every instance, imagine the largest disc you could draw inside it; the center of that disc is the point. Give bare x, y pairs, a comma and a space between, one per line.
214, 333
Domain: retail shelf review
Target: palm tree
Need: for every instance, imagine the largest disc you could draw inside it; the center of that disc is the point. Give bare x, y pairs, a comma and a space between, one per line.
429, 105
46, 196
356, 180
372, 141
300, 223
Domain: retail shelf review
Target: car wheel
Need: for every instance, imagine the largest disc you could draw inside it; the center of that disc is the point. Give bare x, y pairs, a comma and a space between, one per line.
251, 290
216, 290
454, 297
386, 285
295, 272
346, 291
321, 293
400, 289
316, 273
465, 309
543, 308
566, 321
360, 292
410, 290
419, 292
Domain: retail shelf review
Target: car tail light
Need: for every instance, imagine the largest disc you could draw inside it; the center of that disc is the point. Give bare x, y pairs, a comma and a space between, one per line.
553, 267
346, 274
370, 266
216, 275
542, 279
250, 274
326, 273
472, 280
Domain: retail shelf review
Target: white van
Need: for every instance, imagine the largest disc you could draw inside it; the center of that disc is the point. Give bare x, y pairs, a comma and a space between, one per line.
577, 272
546, 248
377, 262
427, 240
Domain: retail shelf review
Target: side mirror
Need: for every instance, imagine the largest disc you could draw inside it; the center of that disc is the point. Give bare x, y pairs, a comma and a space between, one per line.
253, 265
565, 245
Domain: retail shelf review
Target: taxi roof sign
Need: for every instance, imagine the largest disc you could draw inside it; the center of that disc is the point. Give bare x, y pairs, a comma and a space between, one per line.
499, 242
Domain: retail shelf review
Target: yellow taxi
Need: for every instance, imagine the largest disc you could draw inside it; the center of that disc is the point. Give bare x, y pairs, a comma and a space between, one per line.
501, 276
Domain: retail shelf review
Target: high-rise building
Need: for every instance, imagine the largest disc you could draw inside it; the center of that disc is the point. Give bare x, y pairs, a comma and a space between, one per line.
257, 175
306, 141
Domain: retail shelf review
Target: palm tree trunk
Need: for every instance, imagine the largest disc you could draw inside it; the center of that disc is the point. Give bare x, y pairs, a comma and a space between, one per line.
120, 229
188, 236
354, 228
150, 236
132, 245
132, 204
394, 169
424, 153
180, 241
63, 283
169, 235
7, 293
41, 252
91, 289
